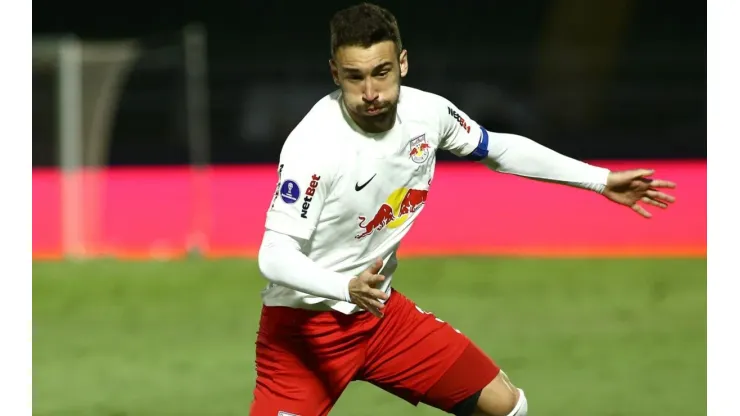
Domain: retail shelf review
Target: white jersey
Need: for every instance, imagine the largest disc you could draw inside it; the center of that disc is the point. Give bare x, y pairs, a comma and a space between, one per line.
351, 195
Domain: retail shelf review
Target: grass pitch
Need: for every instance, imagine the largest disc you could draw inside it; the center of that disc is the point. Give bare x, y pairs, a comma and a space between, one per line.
582, 337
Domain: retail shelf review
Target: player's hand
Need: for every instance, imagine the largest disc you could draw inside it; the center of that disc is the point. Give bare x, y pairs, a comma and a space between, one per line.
362, 291
630, 187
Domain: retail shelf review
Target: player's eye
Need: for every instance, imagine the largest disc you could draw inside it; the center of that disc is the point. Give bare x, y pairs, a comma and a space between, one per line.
382, 74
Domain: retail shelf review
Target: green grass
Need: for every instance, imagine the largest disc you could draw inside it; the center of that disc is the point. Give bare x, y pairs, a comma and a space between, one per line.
582, 337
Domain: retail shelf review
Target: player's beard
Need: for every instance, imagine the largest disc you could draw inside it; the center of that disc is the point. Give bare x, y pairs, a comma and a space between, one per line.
373, 123
378, 123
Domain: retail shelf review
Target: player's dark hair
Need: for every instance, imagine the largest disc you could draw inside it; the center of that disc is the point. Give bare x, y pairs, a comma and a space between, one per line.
363, 25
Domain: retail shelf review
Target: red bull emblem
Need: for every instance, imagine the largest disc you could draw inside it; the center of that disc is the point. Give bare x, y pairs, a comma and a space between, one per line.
394, 212
419, 149
414, 199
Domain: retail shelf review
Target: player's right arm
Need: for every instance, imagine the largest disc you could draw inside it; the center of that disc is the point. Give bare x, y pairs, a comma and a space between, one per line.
282, 262
305, 177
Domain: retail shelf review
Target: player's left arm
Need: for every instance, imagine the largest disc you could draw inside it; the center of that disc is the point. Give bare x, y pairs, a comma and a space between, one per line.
518, 155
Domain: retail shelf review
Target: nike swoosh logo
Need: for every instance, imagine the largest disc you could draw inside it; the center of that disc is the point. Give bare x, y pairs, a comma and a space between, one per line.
359, 187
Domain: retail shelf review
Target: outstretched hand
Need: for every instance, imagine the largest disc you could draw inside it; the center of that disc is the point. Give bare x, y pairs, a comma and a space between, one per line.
630, 187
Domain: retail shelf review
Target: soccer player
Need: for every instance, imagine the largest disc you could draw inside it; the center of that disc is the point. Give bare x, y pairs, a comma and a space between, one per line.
352, 178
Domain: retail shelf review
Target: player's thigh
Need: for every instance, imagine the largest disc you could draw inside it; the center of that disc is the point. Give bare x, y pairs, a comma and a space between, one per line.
285, 383
300, 370
415, 351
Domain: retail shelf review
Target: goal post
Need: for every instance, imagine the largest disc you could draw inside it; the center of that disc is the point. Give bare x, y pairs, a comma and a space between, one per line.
87, 80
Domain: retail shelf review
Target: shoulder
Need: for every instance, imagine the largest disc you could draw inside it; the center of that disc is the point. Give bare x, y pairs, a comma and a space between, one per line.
434, 112
417, 98
320, 129
317, 139
425, 106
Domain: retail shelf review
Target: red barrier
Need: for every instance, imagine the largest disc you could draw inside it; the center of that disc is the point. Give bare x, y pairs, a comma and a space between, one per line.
151, 212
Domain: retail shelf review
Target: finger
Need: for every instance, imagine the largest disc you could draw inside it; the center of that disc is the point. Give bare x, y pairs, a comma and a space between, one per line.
642, 211
373, 306
377, 294
659, 183
372, 279
376, 304
654, 194
642, 173
375, 266
654, 202
373, 311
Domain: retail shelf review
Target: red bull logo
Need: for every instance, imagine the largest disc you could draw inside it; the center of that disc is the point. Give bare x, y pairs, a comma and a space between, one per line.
419, 149
414, 199
394, 212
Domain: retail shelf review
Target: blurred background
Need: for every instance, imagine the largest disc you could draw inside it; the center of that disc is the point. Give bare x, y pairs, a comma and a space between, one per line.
156, 131
606, 79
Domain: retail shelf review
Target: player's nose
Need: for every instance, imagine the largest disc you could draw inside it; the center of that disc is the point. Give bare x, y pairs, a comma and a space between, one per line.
369, 93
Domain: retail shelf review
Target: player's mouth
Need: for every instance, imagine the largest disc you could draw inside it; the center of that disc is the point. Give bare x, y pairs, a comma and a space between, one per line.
375, 110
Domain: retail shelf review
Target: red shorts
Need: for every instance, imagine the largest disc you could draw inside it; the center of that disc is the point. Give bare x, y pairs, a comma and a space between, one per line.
305, 359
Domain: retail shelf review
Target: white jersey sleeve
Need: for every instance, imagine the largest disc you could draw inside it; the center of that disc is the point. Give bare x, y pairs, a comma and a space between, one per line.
305, 174
282, 262
460, 134
508, 153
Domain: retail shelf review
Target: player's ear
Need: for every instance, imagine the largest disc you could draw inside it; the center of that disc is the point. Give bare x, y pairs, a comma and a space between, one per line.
334, 71
403, 60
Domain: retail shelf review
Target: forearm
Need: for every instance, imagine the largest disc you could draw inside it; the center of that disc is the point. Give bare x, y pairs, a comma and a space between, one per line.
281, 262
517, 155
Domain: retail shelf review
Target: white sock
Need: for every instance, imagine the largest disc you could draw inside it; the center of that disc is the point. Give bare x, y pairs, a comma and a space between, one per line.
520, 409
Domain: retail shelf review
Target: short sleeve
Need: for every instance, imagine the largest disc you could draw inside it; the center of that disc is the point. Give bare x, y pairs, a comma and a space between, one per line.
304, 181
459, 134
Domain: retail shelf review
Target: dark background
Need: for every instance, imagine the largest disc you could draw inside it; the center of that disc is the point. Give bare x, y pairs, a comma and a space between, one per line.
598, 79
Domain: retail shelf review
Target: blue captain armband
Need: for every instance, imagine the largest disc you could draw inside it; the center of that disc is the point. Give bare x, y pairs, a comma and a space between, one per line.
481, 151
